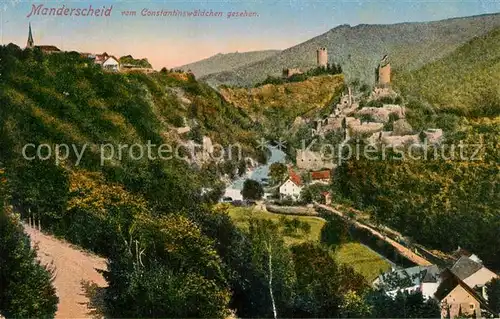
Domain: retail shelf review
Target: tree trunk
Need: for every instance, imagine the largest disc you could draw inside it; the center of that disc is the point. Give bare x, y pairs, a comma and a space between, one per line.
271, 280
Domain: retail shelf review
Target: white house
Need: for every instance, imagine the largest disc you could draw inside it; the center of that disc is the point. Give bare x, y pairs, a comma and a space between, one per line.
418, 278
292, 186
111, 63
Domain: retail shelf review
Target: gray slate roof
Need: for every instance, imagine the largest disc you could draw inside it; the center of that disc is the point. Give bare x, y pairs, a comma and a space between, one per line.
464, 267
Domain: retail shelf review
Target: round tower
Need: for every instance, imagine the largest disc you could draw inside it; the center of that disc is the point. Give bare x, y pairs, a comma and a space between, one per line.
322, 57
384, 72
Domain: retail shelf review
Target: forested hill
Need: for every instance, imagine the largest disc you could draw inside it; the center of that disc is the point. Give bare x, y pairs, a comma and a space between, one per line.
466, 81
157, 203
358, 49
226, 62
66, 99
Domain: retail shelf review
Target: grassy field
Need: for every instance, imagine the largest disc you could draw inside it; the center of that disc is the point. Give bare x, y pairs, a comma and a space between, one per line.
361, 258
241, 215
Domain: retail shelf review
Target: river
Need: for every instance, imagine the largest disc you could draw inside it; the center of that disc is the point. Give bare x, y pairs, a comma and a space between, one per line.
258, 173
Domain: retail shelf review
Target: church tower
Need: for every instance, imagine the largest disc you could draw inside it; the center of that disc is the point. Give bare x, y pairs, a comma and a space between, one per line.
30, 44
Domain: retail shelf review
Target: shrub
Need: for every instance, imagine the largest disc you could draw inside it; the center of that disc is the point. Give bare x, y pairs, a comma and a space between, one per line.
25, 285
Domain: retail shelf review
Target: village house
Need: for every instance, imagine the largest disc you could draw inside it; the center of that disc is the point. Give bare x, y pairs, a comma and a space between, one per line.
418, 278
433, 135
107, 62
292, 186
323, 176
111, 64
448, 287
457, 298
472, 272
100, 58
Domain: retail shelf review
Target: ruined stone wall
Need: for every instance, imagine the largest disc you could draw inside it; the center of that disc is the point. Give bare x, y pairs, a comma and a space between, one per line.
384, 75
291, 71
309, 160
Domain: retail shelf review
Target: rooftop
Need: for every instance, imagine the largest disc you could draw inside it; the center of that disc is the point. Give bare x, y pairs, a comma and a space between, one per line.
320, 175
465, 267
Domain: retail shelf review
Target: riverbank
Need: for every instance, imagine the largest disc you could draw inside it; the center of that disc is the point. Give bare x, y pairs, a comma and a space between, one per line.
259, 173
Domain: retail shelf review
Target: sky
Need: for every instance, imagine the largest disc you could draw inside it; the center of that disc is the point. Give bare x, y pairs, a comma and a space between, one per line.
175, 40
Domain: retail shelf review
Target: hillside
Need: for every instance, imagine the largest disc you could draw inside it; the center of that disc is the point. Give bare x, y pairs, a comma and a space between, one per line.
280, 104
226, 62
66, 99
358, 49
457, 81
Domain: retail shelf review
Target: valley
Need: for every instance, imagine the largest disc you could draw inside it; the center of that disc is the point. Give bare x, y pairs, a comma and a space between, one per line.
332, 178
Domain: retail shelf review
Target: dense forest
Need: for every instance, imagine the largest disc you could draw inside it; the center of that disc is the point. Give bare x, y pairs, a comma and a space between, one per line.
465, 82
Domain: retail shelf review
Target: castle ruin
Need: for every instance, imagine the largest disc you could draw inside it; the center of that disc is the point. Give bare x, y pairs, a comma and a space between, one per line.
291, 71
322, 57
384, 72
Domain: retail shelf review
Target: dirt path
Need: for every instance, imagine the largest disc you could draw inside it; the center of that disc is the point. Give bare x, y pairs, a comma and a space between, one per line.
71, 267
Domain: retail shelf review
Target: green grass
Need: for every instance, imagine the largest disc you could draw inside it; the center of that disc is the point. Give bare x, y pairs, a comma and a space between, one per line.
362, 259
241, 215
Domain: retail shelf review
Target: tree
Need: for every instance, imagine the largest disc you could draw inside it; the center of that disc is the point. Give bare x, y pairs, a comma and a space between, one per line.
26, 288
166, 267
252, 190
273, 264
354, 306
493, 293
322, 284
277, 172
314, 193
403, 305
335, 232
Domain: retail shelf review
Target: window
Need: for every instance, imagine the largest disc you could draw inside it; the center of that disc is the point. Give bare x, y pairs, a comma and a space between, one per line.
471, 306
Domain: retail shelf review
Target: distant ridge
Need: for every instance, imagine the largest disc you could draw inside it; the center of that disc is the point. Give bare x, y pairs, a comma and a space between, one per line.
226, 62
358, 49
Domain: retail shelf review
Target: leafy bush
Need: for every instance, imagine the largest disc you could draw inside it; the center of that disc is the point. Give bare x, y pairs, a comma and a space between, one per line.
26, 288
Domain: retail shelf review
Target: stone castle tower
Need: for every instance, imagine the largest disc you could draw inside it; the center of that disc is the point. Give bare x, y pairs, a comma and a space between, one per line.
322, 57
384, 72
30, 44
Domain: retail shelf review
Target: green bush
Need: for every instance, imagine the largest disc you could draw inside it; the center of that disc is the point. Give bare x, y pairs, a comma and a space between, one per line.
26, 288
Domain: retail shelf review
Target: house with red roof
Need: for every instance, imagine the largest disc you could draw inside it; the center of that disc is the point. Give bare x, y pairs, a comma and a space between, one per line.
292, 186
323, 176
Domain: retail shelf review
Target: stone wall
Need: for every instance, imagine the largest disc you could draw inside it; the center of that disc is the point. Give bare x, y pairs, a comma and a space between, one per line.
291, 71
381, 114
384, 75
309, 160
